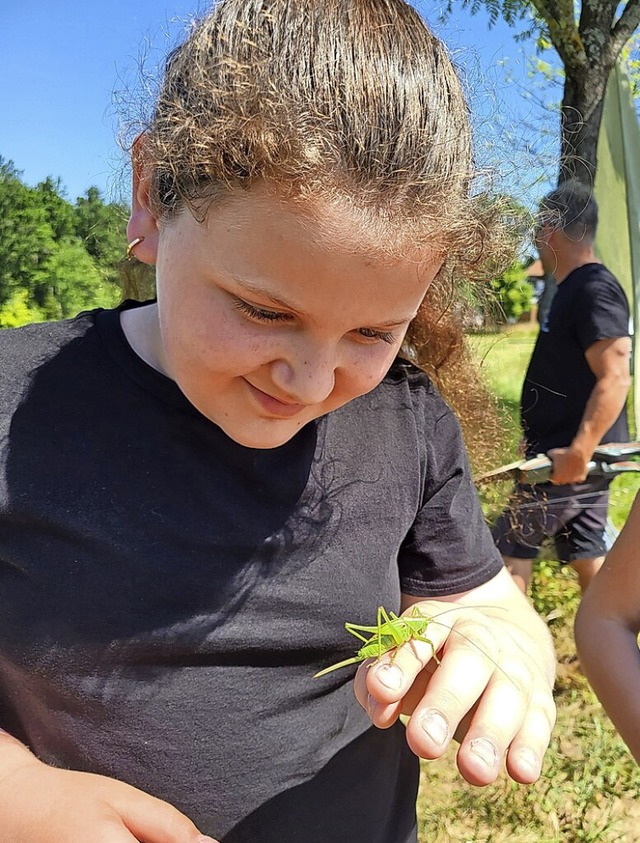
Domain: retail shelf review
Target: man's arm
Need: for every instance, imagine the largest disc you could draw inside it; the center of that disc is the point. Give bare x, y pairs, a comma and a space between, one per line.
608, 359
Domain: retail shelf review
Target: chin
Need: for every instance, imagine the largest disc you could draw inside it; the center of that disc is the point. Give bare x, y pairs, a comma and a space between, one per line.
262, 439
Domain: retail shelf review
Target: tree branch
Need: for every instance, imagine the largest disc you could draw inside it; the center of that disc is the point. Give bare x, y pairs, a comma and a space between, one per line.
563, 31
625, 27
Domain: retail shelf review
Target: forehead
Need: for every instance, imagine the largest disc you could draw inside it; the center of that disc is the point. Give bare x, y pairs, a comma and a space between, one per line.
321, 257
335, 223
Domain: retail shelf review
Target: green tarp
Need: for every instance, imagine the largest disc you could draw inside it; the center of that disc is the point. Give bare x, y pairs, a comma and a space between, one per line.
617, 190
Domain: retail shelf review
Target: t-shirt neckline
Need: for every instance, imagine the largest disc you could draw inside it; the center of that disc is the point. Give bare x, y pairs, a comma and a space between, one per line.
110, 330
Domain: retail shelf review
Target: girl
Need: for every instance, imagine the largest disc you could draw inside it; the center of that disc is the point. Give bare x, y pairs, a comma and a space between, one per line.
198, 491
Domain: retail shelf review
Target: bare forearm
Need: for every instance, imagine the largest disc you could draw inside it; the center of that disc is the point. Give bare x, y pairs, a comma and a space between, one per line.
603, 407
609, 654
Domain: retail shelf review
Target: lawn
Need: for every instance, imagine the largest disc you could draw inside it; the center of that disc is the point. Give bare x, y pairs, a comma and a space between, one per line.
590, 786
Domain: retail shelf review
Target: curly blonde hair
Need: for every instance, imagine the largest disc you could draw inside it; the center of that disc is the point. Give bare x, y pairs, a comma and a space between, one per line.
327, 100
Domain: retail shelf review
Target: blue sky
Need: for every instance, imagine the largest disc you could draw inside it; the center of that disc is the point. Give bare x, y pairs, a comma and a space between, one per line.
63, 63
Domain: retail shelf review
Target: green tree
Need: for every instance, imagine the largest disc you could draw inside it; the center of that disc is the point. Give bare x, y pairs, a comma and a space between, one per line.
18, 311
588, 36
45, 270
102, 228
513, 293
61, 215
26, 237
74, 282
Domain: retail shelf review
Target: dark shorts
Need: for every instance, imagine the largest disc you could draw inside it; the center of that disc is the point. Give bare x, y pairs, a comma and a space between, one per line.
574, 516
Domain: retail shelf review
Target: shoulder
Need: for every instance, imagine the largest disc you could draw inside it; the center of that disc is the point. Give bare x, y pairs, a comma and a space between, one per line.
592, 296
596, 281
404, 416
406, 407
32, 343
407, 387
25, 351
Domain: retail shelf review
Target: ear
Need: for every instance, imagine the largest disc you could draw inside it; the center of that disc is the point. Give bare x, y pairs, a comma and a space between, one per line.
142, 222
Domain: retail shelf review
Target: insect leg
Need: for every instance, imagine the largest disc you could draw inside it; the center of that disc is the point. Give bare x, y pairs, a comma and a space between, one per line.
356, 630
431, 644
393, 625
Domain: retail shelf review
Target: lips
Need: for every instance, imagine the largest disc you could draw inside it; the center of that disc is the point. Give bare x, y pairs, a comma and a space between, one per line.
273, 406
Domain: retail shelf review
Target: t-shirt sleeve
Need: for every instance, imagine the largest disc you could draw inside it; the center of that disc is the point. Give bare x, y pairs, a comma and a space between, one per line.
602, 311
449, 548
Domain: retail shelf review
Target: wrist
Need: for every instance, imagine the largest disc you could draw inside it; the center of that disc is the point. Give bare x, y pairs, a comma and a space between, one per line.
581, 450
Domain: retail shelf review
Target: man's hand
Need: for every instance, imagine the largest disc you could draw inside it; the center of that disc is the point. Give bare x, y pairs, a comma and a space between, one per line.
569, 466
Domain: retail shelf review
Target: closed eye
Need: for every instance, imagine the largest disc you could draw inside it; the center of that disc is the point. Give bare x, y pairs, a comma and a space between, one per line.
377, 336
260, 314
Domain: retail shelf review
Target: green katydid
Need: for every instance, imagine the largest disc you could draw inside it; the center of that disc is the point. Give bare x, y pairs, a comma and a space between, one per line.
390, 632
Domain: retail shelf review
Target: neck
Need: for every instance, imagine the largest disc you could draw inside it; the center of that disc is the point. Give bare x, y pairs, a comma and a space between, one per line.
565, 264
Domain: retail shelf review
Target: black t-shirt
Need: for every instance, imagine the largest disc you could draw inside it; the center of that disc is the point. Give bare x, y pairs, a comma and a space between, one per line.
589, 305
167, 594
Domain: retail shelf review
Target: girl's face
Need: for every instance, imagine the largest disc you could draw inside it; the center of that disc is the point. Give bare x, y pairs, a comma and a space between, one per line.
268, 319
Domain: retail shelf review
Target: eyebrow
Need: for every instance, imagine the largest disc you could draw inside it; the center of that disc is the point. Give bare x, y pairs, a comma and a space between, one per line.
265, 293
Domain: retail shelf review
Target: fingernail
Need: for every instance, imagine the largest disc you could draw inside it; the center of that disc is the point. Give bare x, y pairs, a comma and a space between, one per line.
486, 752
203, 839
434, 724
529, 759
390, 676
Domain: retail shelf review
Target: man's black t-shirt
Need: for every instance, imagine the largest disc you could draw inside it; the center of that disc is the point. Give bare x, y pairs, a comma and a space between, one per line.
589, 305
167, 594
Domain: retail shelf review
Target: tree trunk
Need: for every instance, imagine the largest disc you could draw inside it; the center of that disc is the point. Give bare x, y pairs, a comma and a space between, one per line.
581, 115
588, 51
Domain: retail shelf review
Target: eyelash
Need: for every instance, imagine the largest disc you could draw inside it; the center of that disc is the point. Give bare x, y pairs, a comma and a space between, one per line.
261, 315
383, 336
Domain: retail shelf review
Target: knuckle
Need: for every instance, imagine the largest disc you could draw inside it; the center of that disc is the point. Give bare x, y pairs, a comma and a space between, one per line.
475, 636
518, 674
546, 708
415, 654
178, 826
451, 704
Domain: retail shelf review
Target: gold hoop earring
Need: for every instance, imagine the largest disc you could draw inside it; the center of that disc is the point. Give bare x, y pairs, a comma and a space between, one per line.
131, 246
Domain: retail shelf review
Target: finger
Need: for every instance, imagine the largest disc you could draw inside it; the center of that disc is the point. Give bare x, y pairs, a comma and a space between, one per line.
381, 714
459, 682
498, 719
525, 755
152, 820
390, 678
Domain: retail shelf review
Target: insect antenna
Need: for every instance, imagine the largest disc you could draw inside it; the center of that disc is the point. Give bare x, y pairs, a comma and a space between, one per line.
466, 637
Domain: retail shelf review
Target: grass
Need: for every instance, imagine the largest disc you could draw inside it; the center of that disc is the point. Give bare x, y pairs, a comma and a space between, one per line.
590, 786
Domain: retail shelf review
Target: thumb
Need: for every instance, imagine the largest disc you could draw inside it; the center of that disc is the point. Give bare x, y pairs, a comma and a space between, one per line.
151, 820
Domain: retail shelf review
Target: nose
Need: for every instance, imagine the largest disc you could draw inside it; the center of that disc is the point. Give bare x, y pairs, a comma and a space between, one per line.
306, 375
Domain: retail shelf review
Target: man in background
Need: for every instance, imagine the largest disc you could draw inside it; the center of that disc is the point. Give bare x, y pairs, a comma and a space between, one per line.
573, 397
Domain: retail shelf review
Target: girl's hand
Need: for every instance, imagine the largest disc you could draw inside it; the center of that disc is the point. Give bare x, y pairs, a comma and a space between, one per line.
491, 691
41, 804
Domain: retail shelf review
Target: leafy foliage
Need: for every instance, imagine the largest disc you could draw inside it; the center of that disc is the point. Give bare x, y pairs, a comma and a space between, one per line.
588, 37
56, 258
513, 292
